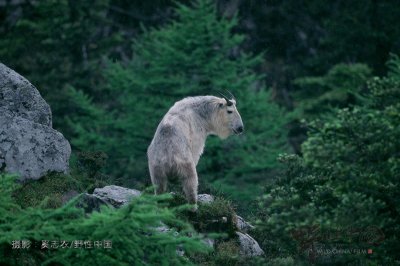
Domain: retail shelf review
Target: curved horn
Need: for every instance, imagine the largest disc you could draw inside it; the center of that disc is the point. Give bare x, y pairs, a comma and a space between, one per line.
228, 102
230, 94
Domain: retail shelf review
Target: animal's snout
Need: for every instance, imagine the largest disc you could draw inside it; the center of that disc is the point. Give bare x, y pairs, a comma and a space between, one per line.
239, 129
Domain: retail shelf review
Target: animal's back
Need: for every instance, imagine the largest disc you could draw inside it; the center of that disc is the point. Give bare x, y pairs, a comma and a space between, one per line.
169, 146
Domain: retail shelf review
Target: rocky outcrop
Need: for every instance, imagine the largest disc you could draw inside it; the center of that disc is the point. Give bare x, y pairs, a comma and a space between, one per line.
29, 146
116, 196
248, 246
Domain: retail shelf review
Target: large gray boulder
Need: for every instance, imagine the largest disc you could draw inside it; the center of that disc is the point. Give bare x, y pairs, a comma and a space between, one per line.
20, 97
29, 146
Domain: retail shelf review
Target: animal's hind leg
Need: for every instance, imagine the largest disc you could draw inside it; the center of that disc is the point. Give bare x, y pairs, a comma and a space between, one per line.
159, 180
161, 186
188, 175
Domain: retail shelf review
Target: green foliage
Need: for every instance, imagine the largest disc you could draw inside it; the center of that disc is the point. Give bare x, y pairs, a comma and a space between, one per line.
178, 60
346, 180
131, 230
86, 115
340, 87
393, 65
92, 162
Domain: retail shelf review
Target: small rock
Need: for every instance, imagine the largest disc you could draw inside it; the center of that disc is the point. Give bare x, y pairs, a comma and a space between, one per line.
179, 251
242, 225
205, 198
165, 229
209, 242
162, 228
248, 246
90, 203
115, 195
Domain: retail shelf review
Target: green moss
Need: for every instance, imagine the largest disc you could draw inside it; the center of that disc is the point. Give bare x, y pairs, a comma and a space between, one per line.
225, 253
84, 176
217, 216
53, 186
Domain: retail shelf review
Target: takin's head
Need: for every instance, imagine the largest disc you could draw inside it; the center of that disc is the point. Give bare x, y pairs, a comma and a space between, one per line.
227, 120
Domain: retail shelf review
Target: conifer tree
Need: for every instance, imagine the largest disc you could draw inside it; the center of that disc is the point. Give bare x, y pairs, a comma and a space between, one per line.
346, 182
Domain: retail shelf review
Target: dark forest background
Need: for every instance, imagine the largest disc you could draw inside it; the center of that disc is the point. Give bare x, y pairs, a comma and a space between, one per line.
317, 84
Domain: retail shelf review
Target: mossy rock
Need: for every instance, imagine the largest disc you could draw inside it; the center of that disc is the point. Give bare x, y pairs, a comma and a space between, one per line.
216, 217
54, 186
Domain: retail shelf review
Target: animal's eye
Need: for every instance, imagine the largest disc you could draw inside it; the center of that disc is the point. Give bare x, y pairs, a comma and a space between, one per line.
230, 112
